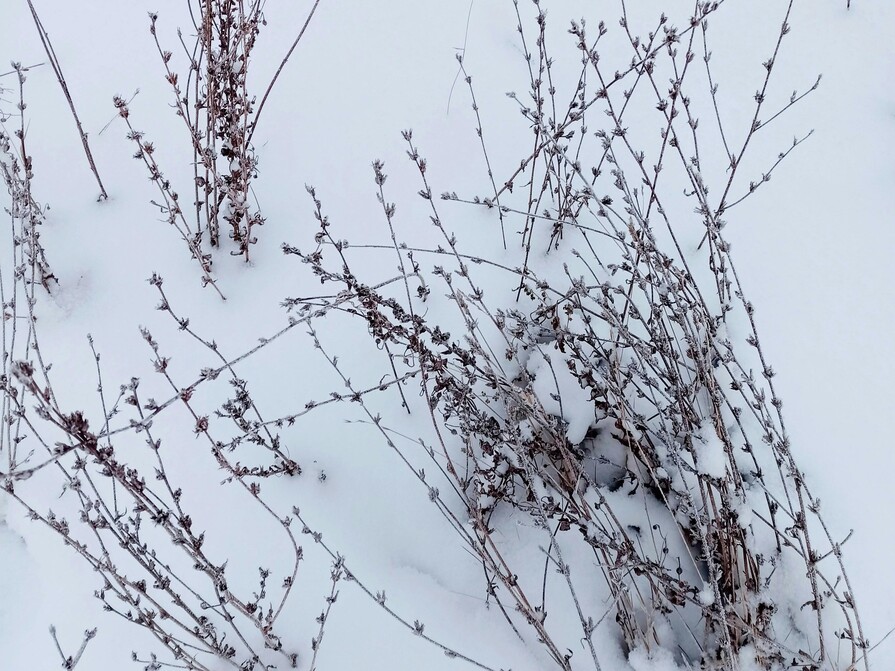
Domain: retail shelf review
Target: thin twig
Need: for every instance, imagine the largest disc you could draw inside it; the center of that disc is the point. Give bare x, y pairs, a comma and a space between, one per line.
279, 70
57, 69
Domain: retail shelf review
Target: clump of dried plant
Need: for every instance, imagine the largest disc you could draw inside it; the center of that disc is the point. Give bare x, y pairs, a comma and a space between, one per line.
221, 112
623, 399
25, 212
607, 384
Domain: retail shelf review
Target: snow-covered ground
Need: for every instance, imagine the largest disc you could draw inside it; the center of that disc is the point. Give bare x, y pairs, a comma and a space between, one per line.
813, 247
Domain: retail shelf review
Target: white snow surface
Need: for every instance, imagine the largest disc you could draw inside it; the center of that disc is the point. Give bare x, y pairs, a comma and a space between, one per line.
560, 393
814, 248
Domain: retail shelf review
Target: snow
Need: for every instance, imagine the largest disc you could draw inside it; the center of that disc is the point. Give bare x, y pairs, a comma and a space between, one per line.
560, 393
657, 660
707, 595
814, 247
711, 458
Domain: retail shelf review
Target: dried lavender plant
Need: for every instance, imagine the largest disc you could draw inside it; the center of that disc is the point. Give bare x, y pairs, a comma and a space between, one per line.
620, 401
726, 561
170, 205
26, 213
24, 269
218, 107
129, 517
140, 537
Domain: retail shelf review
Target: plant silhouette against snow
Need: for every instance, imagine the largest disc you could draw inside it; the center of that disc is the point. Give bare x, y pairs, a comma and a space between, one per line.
682, 409
221, 113
608, 385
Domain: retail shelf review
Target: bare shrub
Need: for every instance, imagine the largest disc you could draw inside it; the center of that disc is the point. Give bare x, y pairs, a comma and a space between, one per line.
132, 526
26, 213
629, 370
221, 114
607, 384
